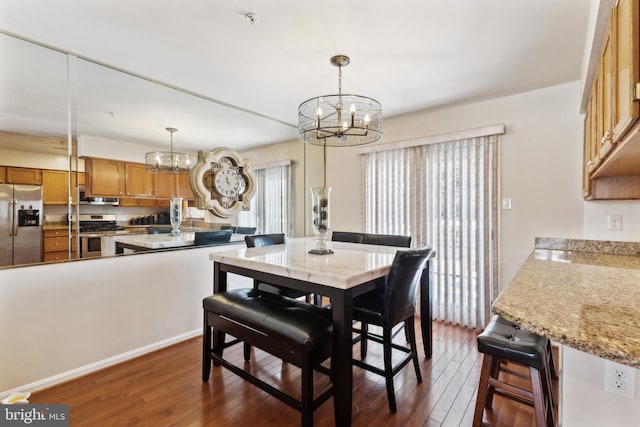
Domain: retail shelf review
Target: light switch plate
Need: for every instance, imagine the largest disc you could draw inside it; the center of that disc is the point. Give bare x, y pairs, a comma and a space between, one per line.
506, 204
614, 222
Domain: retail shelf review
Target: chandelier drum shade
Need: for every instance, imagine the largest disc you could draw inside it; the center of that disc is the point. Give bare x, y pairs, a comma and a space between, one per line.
340, 120
169, 161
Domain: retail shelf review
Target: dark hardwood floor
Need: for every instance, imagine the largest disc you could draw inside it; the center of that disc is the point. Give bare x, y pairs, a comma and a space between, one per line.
164, 388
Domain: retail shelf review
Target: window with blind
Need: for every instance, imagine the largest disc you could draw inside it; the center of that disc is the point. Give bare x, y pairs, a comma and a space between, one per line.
443, 194
271, 210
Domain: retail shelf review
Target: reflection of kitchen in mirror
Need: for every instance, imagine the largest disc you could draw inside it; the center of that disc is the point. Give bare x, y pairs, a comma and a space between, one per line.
111, 117
34, 150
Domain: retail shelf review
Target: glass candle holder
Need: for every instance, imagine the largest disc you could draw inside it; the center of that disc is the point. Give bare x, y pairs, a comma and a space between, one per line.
175, 215
321, 218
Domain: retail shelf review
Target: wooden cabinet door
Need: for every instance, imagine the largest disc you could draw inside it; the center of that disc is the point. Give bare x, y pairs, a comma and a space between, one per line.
24, 176
138, 182
55, 187
3, 175
184, 187
626, 22
105, 178
165, 185
605, 94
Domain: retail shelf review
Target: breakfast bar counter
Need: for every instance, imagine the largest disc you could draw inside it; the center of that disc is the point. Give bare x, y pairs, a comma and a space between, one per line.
146, 242
581, 293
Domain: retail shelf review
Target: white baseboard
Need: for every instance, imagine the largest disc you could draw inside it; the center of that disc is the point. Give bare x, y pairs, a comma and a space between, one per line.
101, 364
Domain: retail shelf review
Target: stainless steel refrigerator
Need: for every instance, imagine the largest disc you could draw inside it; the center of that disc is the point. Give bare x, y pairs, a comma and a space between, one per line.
20, 224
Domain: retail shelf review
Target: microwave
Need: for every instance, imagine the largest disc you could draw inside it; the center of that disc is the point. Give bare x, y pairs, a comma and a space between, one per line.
84, 200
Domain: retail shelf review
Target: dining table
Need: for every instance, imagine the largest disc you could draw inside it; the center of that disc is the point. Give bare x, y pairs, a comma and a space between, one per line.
351, 270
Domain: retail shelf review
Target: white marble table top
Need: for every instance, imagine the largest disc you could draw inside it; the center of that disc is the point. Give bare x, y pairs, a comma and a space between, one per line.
164, 240
350, 265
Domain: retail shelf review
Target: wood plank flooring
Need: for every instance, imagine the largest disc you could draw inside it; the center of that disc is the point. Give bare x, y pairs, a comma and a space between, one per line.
164, 388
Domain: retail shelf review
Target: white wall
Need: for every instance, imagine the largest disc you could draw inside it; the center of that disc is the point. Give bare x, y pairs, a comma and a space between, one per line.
61, 320
541, 154
595, 220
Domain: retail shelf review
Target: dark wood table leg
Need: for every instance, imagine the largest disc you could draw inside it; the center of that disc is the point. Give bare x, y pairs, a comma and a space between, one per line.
425, 310
342, 305
219, 285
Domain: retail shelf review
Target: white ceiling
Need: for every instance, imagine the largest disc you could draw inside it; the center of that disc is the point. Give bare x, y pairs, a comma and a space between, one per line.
408, 54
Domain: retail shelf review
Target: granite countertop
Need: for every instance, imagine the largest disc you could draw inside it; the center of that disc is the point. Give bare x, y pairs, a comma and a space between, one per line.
581, 293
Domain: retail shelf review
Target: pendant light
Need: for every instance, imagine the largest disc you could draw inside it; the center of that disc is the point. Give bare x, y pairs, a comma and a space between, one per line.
340, 120
169, 161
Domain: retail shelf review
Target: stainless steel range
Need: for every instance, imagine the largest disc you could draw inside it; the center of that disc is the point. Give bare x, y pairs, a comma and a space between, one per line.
93, 228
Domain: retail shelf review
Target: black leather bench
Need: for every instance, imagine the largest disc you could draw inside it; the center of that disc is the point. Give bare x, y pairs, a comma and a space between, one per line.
294, 331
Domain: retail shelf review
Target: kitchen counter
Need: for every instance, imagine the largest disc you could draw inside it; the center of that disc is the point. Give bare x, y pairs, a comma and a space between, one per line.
46, 226
581, 293
163, 241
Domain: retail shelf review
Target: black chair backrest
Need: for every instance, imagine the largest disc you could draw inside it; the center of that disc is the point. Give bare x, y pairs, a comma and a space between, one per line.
402, 281
387, 240
158, 230
347, 236
258, 240
228, 227
246, 230
212, 237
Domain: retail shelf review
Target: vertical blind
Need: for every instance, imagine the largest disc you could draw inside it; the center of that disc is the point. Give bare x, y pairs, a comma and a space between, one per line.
271, 205
444, 195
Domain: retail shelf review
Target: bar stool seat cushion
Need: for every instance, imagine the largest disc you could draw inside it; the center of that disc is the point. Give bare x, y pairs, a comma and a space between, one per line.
507, 341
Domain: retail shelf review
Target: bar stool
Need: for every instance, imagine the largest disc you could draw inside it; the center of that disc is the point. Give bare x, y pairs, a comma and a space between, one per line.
502, 341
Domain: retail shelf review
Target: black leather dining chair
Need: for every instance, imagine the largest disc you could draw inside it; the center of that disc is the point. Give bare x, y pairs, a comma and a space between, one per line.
246, 230
388, 306
347, 236
211, 237
228, 227
387, 240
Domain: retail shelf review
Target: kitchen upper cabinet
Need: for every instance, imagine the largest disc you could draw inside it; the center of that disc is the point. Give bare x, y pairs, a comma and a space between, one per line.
138, 202
24, 176
165, 185
626, 20
184, 187
132, 183
173, 185
55, 187
3, 175
612, 130
104, 177
138, 182
605, 113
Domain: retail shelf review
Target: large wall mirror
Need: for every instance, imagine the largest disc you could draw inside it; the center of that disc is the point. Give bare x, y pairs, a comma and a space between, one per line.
57, 110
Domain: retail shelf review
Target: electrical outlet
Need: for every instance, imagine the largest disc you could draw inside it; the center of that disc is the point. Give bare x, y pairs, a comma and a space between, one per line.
614, 222
619, 379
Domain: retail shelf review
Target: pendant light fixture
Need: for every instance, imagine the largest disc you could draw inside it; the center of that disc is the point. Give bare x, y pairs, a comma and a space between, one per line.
169, 161
340, 120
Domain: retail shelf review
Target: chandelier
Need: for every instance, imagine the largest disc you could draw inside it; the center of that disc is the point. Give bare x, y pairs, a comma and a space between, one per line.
169, 161
340, 120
